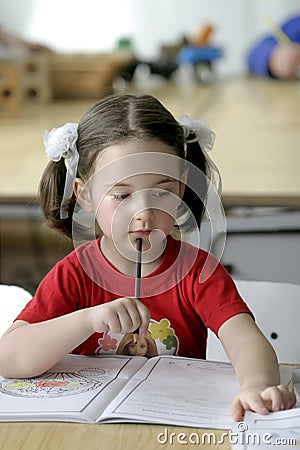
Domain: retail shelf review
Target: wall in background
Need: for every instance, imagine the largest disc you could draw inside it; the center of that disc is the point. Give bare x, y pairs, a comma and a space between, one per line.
95, 25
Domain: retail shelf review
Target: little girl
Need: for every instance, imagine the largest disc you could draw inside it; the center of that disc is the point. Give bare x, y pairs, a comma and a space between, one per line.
130, 170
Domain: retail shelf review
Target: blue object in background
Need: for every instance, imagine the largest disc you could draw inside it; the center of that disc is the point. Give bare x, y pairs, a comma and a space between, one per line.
259, 55
191, 54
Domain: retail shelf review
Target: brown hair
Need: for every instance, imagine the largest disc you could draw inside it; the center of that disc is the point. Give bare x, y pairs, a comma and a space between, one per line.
128, 338
110, 121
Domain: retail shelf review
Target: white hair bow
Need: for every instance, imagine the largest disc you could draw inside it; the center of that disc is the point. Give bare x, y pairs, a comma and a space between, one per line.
206, 138
61, 143
204, 134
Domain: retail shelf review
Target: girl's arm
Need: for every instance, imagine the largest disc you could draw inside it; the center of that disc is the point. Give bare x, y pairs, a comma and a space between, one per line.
256, 367
28, 350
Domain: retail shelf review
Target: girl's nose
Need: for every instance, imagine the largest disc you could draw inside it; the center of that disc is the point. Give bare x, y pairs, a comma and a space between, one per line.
143, 205
144, 215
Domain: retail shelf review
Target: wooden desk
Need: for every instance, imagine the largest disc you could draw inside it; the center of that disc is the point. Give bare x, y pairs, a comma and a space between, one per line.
257, 123
65, 436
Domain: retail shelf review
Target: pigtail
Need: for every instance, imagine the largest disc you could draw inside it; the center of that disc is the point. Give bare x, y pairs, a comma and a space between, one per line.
193, 201
51, 190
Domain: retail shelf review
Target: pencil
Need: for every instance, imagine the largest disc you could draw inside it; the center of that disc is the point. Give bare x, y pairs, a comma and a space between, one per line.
277, 32
138, 270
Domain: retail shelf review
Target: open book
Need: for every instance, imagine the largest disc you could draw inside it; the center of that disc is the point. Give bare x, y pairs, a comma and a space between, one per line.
165, 389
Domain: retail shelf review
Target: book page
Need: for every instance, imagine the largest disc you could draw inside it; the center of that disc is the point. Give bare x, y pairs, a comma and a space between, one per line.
66, 392
178, 391
276, 430
296, 385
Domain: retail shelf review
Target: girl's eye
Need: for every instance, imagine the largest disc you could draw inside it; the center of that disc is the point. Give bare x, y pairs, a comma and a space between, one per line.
160, 193
155, 194
119, 197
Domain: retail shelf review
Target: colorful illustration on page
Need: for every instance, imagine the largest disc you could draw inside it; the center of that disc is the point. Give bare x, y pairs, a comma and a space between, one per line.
55, 384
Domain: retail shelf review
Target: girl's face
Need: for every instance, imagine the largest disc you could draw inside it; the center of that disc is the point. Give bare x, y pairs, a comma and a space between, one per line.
139, 348
135, 193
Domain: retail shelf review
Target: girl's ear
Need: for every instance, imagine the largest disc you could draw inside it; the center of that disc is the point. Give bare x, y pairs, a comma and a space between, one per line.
83, 195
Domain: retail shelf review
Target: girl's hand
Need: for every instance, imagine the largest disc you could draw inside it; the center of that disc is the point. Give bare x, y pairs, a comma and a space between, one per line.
272, 398
285, 61
119, 316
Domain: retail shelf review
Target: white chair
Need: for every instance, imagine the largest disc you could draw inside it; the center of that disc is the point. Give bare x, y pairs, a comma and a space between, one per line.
276, 307
12, 301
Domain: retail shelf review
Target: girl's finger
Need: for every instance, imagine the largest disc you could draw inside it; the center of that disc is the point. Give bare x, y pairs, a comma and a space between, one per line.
144, 318
288, 397
130, 318
273, 398
236, 410
257, 404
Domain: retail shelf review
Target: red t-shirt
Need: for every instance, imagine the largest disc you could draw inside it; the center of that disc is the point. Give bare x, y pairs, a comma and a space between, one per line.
188, 293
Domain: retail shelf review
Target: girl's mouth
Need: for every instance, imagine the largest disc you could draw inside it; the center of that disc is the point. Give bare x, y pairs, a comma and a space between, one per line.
141, 233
